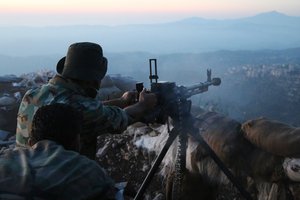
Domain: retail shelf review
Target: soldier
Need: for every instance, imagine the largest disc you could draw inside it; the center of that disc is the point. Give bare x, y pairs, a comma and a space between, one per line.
77, 84
51, 168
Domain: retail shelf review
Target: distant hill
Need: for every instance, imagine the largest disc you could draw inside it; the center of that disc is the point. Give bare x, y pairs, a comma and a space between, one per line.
136, 64
271, 30
18, 65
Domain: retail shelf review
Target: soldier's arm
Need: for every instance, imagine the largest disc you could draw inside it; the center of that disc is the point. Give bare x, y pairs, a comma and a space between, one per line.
127, 99
147, 101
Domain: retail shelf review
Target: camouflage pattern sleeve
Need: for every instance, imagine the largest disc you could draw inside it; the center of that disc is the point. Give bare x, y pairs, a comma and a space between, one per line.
101, 119
32, 100
27, 108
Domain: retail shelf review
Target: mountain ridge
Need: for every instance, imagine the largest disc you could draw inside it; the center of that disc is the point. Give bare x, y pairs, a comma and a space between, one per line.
130, 62
270, 30
262, 15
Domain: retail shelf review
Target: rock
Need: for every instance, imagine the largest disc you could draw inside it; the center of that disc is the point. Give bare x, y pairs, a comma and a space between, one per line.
35, 79
291, 167
7, 101
10, 79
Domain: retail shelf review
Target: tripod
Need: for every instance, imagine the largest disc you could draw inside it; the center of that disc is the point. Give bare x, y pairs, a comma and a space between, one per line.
177, 131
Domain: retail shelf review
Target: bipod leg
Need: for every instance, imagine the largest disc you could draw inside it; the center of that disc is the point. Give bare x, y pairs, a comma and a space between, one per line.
172, 135
193, 132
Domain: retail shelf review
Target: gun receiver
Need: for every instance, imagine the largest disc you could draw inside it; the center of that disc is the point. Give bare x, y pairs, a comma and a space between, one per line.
169, 94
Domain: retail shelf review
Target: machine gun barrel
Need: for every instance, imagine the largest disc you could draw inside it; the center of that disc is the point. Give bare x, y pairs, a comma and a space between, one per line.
200, 87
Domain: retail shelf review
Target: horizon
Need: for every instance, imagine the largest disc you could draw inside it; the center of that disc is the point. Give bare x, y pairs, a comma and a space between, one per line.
120, 12
145, 23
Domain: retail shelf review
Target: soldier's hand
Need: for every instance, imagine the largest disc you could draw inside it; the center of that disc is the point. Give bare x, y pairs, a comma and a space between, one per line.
148, 100
129, 97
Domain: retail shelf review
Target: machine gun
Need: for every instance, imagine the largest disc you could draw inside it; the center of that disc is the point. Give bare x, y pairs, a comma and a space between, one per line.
169, 95
174, 103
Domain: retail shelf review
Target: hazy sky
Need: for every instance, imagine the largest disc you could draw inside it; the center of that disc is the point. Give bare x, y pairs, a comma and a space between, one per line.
116, 12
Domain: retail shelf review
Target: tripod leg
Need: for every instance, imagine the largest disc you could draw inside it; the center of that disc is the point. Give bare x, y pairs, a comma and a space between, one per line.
172, 135
220, 164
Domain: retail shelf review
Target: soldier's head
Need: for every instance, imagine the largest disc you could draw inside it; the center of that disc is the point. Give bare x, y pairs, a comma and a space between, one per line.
57, 122
84, 62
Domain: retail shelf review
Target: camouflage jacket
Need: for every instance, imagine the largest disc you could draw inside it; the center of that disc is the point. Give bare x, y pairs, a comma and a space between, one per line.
48, 171
98, 118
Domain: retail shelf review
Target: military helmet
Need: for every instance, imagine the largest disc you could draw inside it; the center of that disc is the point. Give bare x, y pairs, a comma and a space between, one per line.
84, 61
